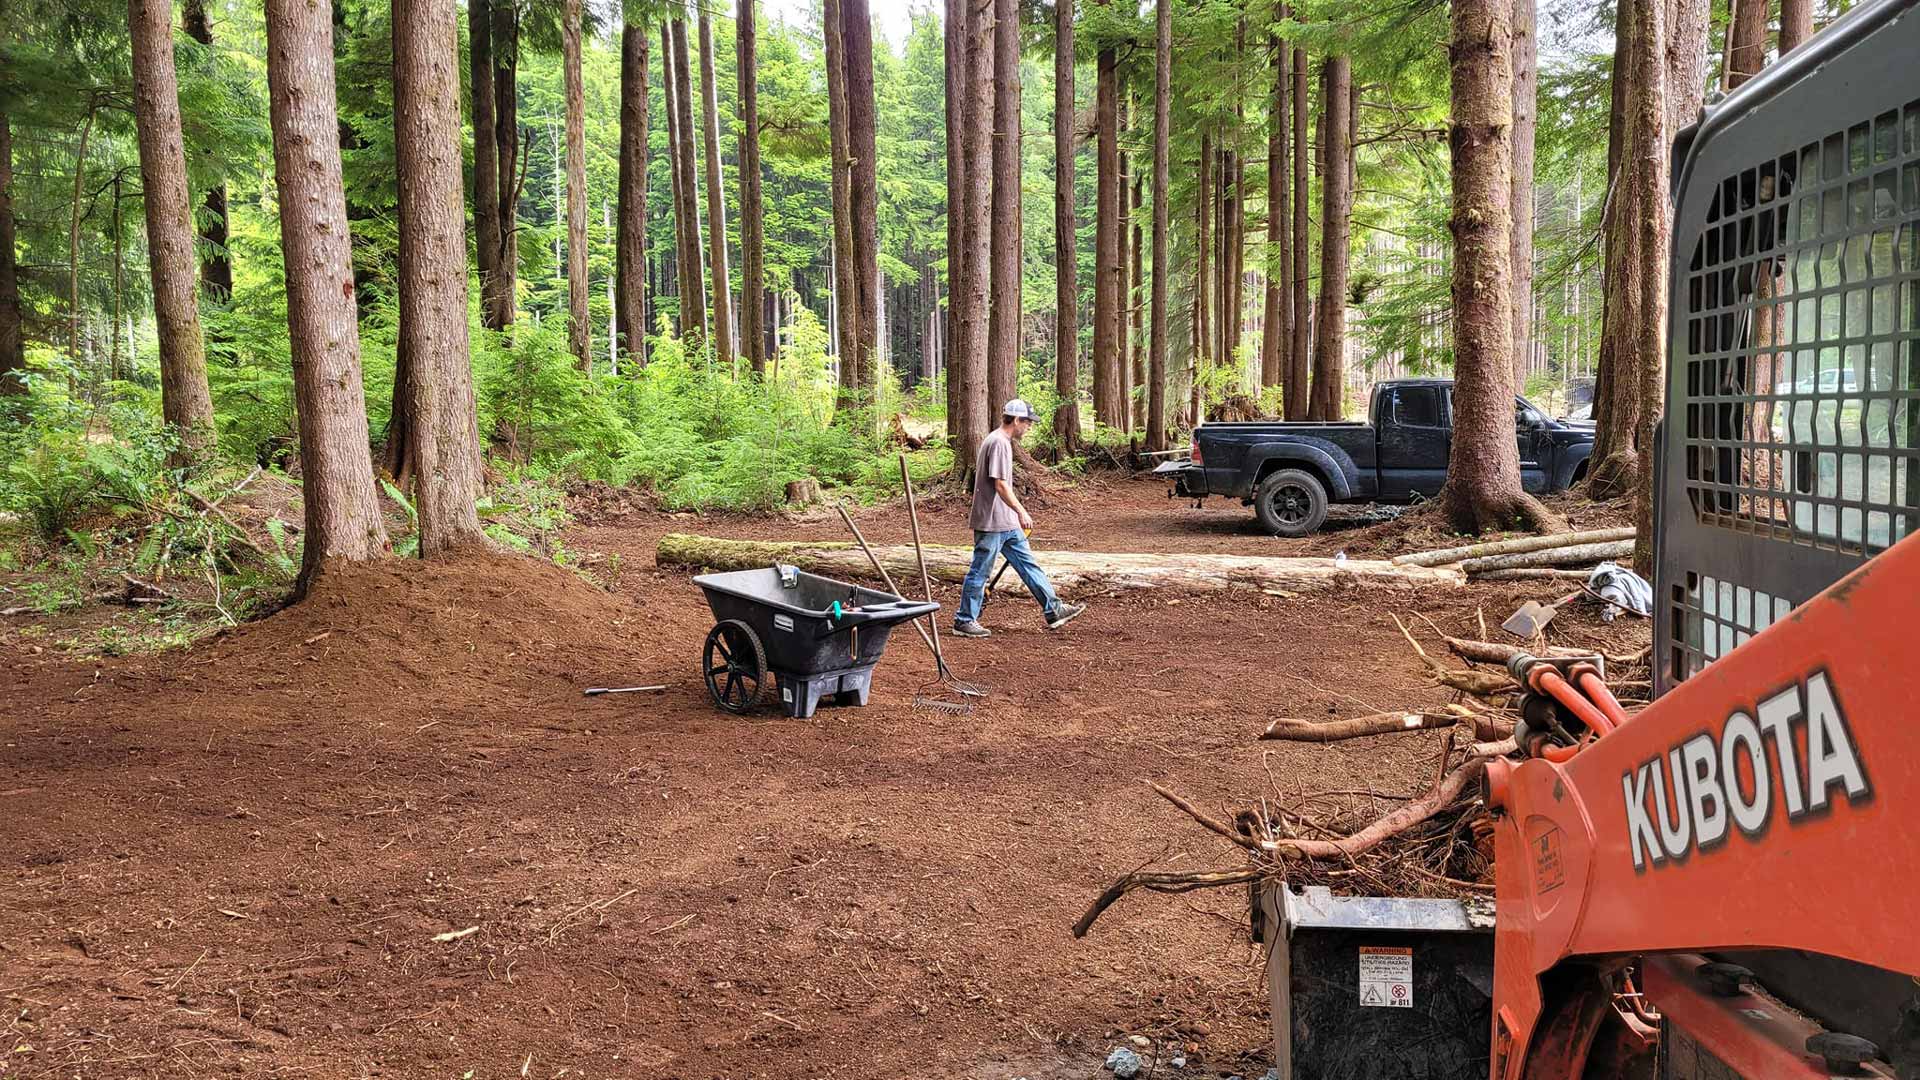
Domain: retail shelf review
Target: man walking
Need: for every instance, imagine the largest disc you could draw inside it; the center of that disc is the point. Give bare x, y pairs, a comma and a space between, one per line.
1000, 525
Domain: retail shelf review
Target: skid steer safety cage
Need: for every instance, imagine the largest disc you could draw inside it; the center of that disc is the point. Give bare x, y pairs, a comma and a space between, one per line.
1791, 444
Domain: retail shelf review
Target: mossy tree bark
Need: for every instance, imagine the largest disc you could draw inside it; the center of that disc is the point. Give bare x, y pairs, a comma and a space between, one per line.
186, 402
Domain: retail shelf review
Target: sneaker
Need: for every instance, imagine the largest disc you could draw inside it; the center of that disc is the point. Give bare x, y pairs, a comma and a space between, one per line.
1061, 615
971, 629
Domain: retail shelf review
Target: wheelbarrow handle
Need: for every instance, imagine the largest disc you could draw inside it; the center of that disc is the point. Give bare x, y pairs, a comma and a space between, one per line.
889, 613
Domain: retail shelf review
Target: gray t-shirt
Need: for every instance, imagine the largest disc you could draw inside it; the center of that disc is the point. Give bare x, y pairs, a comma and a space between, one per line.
990, 512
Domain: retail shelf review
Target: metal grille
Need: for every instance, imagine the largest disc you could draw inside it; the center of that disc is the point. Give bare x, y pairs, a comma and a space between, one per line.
1790, 448
1802, 415
1712, 616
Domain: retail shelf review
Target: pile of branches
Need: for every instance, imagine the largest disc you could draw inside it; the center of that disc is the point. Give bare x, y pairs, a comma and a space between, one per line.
1438, 842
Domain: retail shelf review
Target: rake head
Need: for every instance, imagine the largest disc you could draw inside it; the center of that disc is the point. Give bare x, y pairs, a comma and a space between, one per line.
957, 708
948, 694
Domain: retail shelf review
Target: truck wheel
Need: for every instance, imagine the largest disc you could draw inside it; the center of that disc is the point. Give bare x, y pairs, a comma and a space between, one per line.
1290, 503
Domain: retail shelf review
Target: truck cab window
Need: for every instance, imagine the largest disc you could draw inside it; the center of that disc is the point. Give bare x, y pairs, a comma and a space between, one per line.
1416, 406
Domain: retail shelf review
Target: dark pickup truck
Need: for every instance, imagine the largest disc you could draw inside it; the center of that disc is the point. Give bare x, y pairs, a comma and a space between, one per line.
1290, 472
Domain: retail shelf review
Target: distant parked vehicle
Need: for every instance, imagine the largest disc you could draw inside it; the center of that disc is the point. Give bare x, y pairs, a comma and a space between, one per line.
1291, 472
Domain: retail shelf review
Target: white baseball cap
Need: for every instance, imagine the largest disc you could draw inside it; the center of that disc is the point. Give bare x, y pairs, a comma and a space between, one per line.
1018, 409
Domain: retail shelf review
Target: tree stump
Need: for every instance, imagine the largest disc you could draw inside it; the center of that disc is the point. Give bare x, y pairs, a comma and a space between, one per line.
803, 492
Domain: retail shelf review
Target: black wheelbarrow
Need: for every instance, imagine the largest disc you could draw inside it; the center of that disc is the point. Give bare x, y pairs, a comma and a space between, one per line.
798, 636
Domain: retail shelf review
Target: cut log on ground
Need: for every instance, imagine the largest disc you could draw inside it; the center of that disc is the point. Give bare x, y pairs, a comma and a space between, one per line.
1578, 555
1358, 727
1535, 573
1445, 556
1068, 569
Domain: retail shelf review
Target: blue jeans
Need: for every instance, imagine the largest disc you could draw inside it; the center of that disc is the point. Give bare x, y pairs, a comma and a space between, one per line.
1013, 545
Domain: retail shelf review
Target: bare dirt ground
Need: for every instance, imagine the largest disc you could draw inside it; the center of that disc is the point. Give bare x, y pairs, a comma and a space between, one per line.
235, 859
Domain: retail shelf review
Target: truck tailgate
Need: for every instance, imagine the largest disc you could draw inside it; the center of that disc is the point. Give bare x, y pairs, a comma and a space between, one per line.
1187, 478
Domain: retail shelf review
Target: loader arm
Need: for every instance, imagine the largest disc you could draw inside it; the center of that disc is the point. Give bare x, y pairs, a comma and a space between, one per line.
1767, 802
1762, 810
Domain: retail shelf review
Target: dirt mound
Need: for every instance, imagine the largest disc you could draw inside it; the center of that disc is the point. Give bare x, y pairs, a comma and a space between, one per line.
473, 634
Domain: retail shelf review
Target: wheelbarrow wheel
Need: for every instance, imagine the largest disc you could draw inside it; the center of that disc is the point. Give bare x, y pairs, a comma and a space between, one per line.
735, 665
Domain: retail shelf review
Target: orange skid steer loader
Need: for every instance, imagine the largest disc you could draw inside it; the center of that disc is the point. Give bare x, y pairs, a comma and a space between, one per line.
1727, 884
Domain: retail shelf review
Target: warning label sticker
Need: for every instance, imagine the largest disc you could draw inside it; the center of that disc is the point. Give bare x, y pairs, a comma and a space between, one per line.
1386, 977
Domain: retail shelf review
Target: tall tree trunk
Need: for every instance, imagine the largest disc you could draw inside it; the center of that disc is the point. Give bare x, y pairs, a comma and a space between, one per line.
1796, 24
1106, 245
693, 298
863, 194
721, 279
1526, 84
1276, 323
1066, 262
1222, 185
1236, 181
1203, 252
1687, 24
846, 292
13, 357
1162, 127
630, 243
1330, 344
116, 370
1746, 41
342, 510
504, 47
443, 440
73, 237
752, 215
1003, 311
1237, 250
967, 364
216, 265
186, 403
1137, 308
1483, 489
486, 151
1299, 401
1645, 199
1619, 410
954, 44
1614, 442
579, 322
670, 87
1122, 347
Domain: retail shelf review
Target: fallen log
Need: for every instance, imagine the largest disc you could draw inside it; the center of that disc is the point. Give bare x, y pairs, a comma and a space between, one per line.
1287, 730
1531, 573
1068, 569
1358, 727
1445, 556
1577, 555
